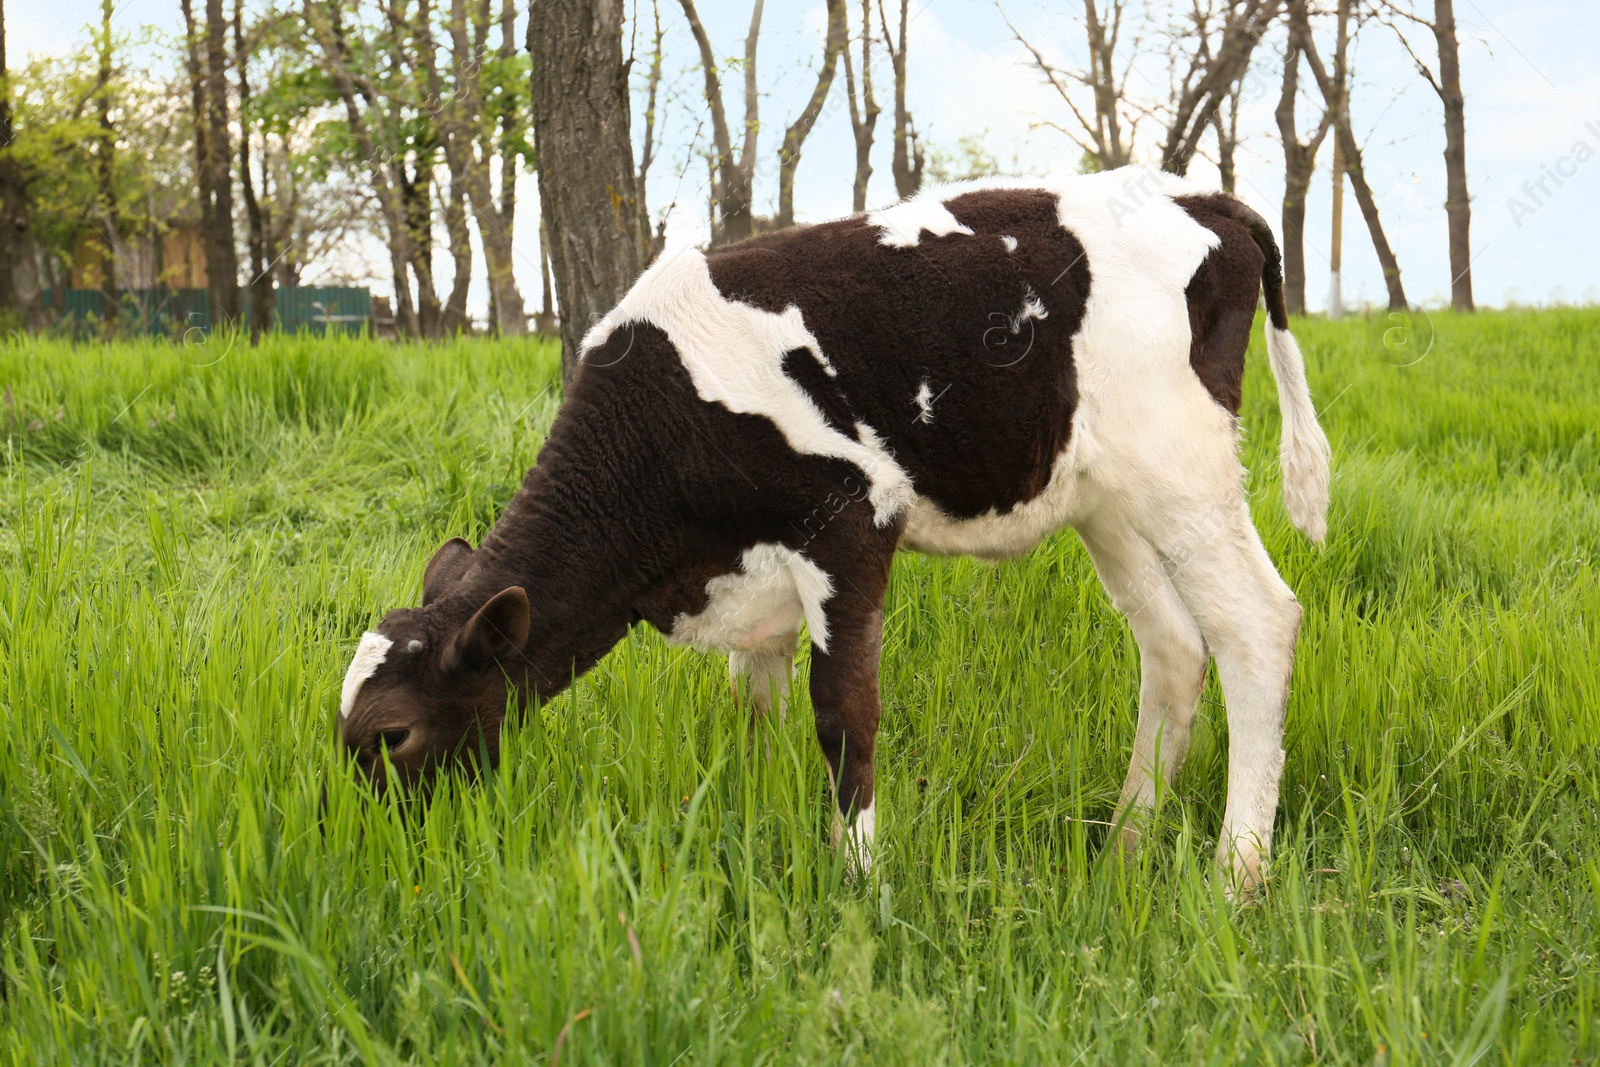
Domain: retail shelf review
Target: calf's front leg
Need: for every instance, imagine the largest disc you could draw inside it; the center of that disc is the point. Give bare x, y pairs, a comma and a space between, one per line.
844, 687
844, 696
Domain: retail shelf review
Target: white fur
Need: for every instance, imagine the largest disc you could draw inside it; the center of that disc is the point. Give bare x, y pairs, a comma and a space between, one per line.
901, 225
768, 668
1009, 241
924, 402
370, 655
1303, 452
858, 838
734, 354
1032, 308
775, 589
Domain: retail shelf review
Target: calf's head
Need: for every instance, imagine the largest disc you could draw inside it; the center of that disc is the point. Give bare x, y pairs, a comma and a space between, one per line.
428, 687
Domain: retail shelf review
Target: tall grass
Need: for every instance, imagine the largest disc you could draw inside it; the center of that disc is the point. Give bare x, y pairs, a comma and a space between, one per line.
191, 540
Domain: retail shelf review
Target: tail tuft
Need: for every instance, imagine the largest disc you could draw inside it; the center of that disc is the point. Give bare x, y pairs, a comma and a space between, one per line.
1303, 454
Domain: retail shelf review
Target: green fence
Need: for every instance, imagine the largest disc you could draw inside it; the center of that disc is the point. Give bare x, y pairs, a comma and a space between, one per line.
177, 311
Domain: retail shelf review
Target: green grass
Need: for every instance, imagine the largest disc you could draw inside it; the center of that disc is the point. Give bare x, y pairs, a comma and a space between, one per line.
190, 544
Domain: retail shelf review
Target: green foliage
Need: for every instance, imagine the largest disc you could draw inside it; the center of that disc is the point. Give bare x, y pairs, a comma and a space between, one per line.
59, 138
191, 542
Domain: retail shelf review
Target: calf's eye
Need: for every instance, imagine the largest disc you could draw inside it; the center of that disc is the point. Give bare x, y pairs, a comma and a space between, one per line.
390, 739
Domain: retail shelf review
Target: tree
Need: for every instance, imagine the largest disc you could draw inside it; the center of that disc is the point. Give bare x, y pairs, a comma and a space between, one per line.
835, 40
1227, 127
733, 178
1299, 163
453, 130
1104, 138
908, 159
492, 133
1447, 86
380, 144
104, 157
654, 241
314, 194
208, 87
1218, 38
587, 191
1335, 95
16, 238
259, 234
84, 203
222, 263
864, 110
197, 117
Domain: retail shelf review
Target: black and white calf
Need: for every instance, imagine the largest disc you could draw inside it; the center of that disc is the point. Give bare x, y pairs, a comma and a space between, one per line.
757, 430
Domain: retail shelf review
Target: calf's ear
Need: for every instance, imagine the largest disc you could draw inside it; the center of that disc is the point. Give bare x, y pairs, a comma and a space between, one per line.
499, 629
445, 569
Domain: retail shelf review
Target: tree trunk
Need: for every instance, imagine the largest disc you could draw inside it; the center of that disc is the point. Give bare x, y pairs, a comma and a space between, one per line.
105, 147
496, 221
1457, 205
1299, 164
1227, 127
222, 271
451, 131
906, 164
863, 114
794, 137
10, 246
453, 318
545, 320
587, 188
258, 227
16, 239
510, 314
734, 178
1350, 152
416, 193
510, 311
202, 150
654, 242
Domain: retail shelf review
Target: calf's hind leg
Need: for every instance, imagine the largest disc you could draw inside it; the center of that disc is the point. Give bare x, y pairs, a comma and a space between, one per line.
1172, 661
1250, 621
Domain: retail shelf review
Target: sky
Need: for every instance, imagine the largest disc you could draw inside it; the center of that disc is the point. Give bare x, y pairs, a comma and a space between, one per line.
1533, 130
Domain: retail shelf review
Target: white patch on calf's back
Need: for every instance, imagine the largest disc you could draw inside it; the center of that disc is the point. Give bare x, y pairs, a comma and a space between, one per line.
1147, 413
1009, 241
370, 655
734, 355
901, 225
774, 590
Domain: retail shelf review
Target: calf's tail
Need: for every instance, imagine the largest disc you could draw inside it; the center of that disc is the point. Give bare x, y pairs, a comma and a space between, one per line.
1303, 452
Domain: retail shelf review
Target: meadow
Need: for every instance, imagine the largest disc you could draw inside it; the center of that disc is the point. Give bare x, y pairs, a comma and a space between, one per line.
192, 538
